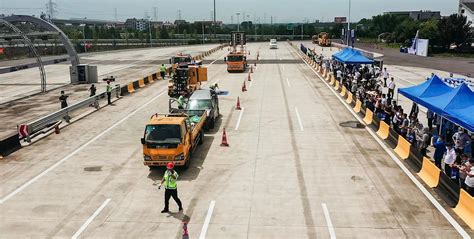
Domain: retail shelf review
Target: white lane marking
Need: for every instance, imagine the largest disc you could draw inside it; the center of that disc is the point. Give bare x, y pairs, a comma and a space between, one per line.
332, 233
430, 197
90, 219
299, 119
282, 66
240, 118
29, 182
208, 220
288, 82
220, 57
251, 83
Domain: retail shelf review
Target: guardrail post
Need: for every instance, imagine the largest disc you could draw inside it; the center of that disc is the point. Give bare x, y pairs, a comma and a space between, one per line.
117, 90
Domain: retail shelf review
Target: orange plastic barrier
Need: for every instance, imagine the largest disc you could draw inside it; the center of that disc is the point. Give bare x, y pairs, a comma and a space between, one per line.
429, 173
343, 91
465, 208
150, 79
332, 80
141, 83
336, 86
358, 106
384, 130
349, 97
403, 148
130, 88
369, 116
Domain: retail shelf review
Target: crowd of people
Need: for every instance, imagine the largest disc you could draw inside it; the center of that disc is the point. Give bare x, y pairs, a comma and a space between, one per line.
449, 145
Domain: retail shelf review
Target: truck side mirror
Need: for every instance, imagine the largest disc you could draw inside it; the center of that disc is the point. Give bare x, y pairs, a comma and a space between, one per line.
143, 140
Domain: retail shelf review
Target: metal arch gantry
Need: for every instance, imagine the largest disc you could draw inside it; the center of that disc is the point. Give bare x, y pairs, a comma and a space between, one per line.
32, 49
50, 27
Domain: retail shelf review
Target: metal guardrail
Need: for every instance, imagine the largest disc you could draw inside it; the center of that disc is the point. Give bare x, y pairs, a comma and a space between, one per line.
64, 114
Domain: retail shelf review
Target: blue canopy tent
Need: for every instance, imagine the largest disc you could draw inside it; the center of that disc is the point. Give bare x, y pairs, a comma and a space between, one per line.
454, 104
351, 56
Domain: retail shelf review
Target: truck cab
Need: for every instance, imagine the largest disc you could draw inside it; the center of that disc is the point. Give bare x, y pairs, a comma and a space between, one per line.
236, 62
172, 138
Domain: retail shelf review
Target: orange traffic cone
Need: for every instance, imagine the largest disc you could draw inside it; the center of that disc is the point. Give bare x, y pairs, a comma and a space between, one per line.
237, 107
57, 130
248, 78
244, 88
224, 139
251, 69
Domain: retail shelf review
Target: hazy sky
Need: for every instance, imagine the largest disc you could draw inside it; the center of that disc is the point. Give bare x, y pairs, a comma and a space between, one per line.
281, 10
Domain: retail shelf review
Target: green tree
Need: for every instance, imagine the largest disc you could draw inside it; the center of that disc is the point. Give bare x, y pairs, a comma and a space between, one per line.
455, 30
429, 30
405, 31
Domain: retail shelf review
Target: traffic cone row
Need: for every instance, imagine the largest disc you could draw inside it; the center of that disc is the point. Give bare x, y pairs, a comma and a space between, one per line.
224, 142
237, 107
244, 88
248, 78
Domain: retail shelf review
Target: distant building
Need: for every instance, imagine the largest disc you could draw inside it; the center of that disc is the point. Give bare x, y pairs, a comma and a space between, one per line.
180, 22
209, 23
418, 15
466, 8
340, 19
137, 24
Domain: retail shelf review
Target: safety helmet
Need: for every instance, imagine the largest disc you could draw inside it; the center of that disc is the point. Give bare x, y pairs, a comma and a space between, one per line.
170, 165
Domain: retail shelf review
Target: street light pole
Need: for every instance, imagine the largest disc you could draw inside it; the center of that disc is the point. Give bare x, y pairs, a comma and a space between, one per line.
349, 24
238, 22
84, 35
202, 31
149, 31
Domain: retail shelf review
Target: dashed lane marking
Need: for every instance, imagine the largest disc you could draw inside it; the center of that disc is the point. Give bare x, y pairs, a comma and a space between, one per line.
90, 219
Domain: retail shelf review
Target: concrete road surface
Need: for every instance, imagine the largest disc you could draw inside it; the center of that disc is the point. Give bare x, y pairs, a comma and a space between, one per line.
291, 171
126, 65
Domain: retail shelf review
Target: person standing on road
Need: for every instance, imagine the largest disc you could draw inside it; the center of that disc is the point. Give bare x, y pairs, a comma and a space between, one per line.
449, 159
440, 149
171, 187
429, 117
470, 177
109, 92
163, 71
391, 88
92, 89
63, 100
385, 76
461, 139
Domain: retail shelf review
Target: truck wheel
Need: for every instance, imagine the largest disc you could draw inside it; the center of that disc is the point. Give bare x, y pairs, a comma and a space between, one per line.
201, 138
212, 124
188, 162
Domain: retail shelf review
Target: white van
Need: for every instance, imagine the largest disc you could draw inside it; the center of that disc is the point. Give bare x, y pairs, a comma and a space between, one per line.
273, 44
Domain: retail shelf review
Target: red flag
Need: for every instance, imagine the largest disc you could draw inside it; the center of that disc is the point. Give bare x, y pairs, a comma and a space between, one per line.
1, 50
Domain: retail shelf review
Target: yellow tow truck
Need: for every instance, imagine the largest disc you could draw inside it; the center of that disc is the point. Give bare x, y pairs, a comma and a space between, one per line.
173, 137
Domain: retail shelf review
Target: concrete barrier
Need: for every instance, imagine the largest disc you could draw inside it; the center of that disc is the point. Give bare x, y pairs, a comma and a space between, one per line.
448, 190
358, 106
9, 144
331, 80
384, 130
369, 116
403, 148
429, 173
465, 208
